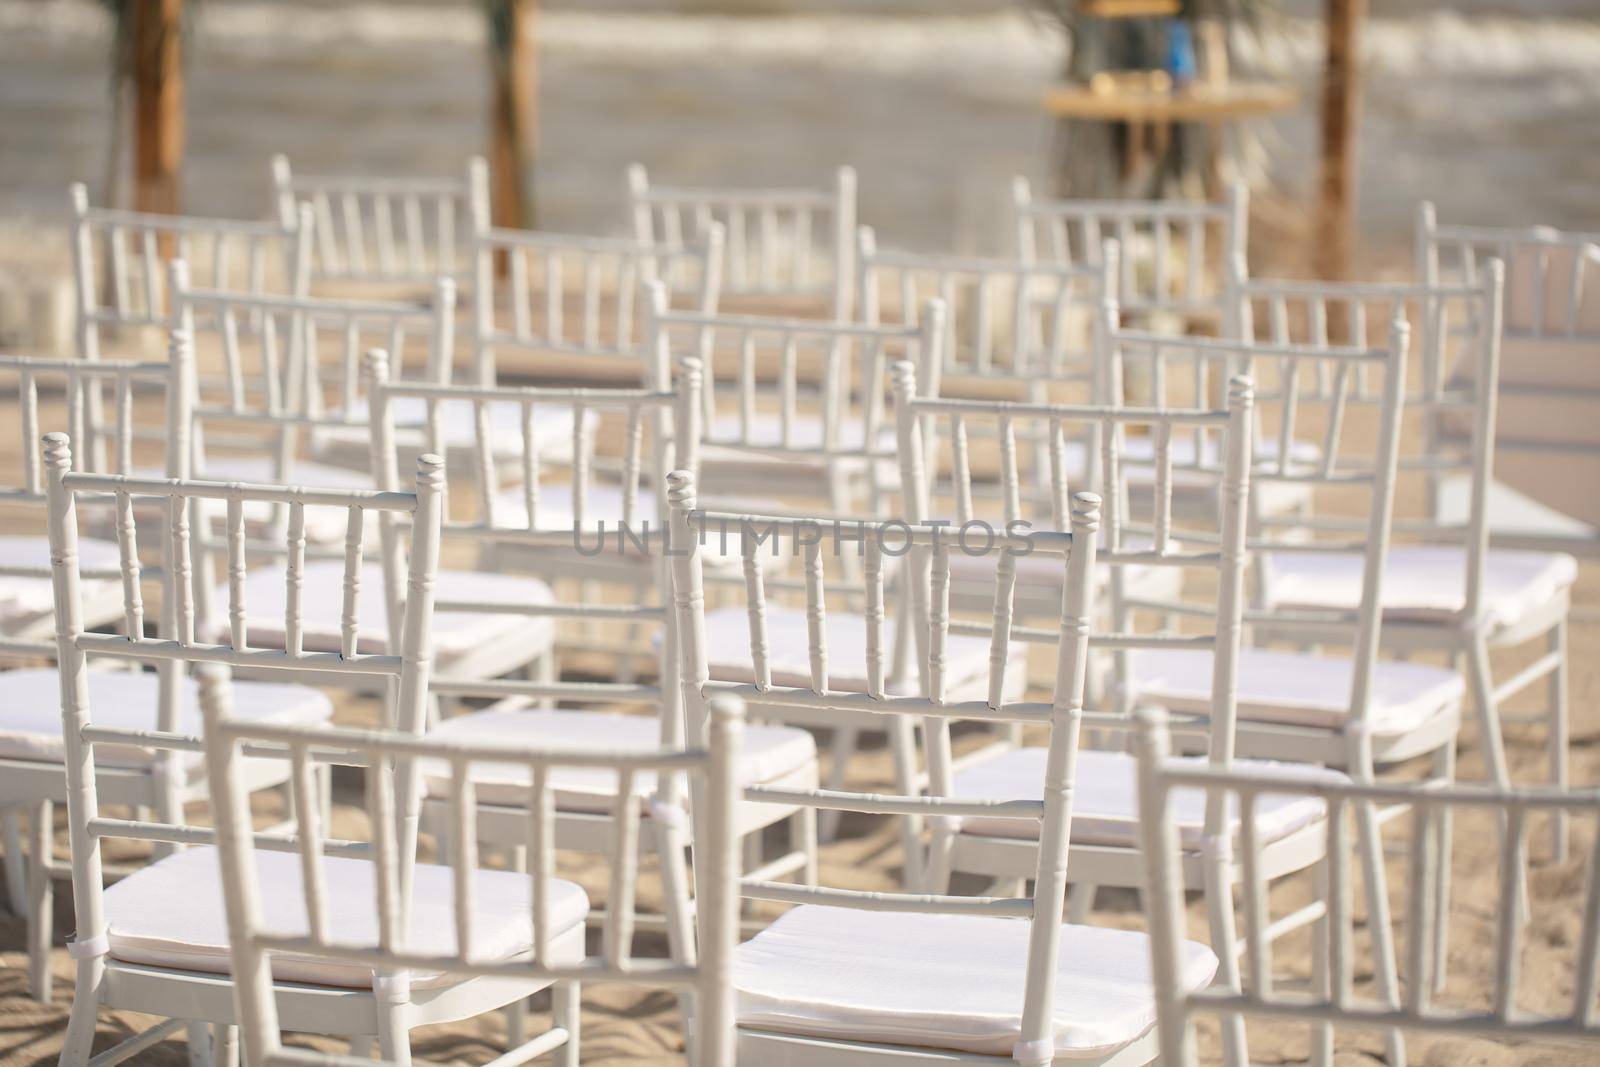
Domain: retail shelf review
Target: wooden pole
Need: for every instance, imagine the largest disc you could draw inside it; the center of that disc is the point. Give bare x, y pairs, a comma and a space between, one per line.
1341, 117
158, 116
514, 123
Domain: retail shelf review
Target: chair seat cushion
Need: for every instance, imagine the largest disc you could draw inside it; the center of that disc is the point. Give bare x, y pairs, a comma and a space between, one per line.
805, 432
1426, 582
455, 634
1297, 688
728, 653
1043, 575
1105, 799
769, 753
30, 726
946, 981
26, 598
170, 914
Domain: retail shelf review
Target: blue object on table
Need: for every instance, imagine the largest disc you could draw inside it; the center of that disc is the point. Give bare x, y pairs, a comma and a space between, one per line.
1180, 52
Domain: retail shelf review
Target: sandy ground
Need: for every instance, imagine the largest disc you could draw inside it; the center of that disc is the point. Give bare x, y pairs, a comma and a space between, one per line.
628, 1026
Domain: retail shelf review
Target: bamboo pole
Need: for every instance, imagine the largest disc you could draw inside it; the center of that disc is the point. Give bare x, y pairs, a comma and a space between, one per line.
514, 122
158, 103
1341, 115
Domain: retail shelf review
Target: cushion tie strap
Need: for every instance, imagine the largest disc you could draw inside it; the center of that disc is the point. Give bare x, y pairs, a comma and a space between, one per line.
669, 815
392, 988
1042, 1051
88, 948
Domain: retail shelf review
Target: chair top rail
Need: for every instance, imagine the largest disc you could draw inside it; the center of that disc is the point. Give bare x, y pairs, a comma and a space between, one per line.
243, 491
576, 242
1547, 235
820, 330
1178, 773
1253, 348
182, 223
464, 750
378, 309
327, 183
900, 259
533, 394
1022, 711
1067, 412
100, 368
691, 194
1339, 290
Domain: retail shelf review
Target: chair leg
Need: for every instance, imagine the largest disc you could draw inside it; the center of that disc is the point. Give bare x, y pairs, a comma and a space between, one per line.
200, 1044
843, 747
567, 1012
15, 864
394, 1034
1444, 770
1321, 976
79, 1043
1482, 683
1080, 902
41, 900
225, 1045
1379, 923
1224, 934
1559, 738
679, 910
516, 1016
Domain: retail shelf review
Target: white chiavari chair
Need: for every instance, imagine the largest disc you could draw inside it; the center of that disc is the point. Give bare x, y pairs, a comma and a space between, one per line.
442, 942
792, 247
371, 230
1548, 377
156, 941
550, 301
609, 528
808, 416
855, 976
120, 263
1175, 254
1445, 588
1348, 708
31, 738
1167, 786
1027, 323
1105, 847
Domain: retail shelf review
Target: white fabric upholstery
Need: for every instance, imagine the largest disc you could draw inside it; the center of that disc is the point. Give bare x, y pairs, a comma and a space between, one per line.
946, 981
1297, 688
728, 652
1426, 582
455, 634
30, 725
24, 599
769, 753
1043, 575
1105, 799
552, 427
806, 431
170, 914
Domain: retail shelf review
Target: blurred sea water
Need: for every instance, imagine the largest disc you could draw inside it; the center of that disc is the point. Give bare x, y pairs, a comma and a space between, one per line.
1490, 107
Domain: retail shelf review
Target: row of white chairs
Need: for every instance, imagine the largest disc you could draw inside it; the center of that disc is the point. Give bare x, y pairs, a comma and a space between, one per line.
846, 399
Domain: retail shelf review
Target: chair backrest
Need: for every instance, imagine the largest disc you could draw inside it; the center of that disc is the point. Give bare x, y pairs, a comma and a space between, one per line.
779, 242
1327, 423
1175, 253
175, 645
1335, 1002
1552, 278
815, 537
129, 252
1004, 318
381, 229
75, 379
393, 951
1213, 446
828, 381
575, 524
577, 296
1457, 327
